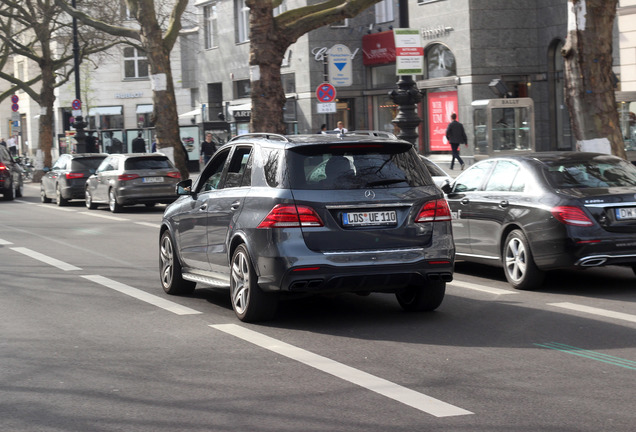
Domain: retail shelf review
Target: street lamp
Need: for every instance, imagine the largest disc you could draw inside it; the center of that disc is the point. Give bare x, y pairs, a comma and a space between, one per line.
406, 96
79, 124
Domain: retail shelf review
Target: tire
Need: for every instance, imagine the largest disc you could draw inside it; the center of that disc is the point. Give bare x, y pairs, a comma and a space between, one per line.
521, 271
9, 193
113, 205
170, 268
89, 200
422, 298
60, 200
18, 190
43, 196
249, 302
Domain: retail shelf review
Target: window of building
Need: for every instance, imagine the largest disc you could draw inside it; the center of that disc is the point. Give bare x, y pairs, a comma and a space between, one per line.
440, 61
242, 14
135, 63
384, 11
289, 82
215, 101
339, 24
242, 89
210, 28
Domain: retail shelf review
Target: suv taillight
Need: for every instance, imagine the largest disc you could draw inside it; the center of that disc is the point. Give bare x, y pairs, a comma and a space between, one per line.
174, 174
2, 167
126, 177
434, 211
73, 175
291, 216
570, 215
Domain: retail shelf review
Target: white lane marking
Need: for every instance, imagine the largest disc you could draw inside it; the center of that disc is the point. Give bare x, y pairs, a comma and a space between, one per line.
142, 295
45, 259
104, 216
25, 202
54, 207
149, 224
381, 386
5, 242
595, 311
477, 287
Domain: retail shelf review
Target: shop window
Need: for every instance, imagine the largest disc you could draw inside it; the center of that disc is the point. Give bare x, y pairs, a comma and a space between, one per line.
135, 63
210, 28
384, 11
440, 61
242, 89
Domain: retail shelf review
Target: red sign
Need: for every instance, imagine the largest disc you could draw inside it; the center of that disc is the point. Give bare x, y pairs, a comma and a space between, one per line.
440, 107
15, 99
77, 104
15, 107
378, 48
326, 92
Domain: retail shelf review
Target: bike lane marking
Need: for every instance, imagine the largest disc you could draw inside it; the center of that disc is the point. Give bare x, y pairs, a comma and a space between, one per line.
142, 295
45, 259
378, 385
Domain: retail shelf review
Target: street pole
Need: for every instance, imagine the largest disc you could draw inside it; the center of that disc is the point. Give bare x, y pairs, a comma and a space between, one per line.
406, 96
79, 124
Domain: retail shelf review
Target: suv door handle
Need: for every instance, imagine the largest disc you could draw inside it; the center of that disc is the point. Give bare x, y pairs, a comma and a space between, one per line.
235, 205
203, 207
503, 203
465, 201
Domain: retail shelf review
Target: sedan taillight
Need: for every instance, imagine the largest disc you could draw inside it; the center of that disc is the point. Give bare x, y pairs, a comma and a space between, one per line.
291, 216
2, 167
174, 174
434, 211
570, 215
73, 175
126, 177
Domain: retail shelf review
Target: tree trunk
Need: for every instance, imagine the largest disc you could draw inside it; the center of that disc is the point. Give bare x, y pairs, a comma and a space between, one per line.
45, 121
588, 76
267, 48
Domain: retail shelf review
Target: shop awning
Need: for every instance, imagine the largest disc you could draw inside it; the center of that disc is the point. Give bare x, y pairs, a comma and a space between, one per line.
104, 111
144, 109
192, 113
242, 107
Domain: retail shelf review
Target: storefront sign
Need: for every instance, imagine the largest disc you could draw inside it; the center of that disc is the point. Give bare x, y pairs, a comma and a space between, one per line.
440, 107
409, 53
340, 68
378, 48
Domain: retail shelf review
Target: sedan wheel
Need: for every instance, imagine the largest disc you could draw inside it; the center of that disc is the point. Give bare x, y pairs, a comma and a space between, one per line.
89, 200
112, 202
519, 267
249, 302
58, 195
416, 298
170, 269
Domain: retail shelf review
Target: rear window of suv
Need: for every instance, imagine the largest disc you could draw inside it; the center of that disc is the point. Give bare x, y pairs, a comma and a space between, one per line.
86, 164
356, 166
157, 162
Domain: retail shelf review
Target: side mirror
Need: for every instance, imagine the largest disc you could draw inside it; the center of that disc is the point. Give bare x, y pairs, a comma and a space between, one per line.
46, 169
446, 187
184, 187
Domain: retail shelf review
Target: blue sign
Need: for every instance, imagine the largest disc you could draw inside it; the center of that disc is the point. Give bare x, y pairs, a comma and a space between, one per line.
326, 92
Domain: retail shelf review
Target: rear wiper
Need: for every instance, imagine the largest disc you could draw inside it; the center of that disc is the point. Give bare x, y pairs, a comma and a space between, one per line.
385, 182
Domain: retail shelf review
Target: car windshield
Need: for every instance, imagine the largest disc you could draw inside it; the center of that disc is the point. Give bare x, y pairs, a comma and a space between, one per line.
355, 167
593, 173
142, 163
86, 164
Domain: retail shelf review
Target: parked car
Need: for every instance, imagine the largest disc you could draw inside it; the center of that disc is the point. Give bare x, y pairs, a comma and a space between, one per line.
545, 211
440, 177
66, 180
274, 215
11, 180
132, 178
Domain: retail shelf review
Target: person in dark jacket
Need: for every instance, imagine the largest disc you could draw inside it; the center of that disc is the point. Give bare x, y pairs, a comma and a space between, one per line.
456, 136
139, 144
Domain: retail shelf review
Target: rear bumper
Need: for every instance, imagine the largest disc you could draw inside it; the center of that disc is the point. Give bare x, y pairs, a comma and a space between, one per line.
136, 195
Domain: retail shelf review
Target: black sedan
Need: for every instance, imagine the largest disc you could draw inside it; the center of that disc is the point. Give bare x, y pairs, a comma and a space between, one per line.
543, 211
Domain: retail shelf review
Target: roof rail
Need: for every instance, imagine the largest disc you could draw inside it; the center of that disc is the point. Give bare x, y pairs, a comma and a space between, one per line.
265, 135
373, 133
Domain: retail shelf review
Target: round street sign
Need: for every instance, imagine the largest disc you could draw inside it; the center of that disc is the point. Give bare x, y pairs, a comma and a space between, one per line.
77, 104
326, 92
15, 99
15, 107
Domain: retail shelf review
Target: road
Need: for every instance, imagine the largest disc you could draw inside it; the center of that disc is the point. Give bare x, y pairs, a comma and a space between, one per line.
91, 343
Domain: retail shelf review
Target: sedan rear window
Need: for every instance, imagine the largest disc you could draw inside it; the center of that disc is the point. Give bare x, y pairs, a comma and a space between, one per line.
147, 163
594, 173
355, 167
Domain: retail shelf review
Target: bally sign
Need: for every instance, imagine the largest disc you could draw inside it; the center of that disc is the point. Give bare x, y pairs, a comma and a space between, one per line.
378, 48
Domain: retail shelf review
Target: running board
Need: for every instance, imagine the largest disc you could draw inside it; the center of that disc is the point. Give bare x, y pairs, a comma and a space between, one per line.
192, 277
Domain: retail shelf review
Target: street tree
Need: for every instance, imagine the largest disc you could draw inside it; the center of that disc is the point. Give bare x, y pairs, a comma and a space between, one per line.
588, 76
156, 35
36, 36
270, 36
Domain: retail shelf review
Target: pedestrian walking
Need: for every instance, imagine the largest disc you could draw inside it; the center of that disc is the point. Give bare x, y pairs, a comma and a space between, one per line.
12, 145
139, 144
3, 142
456, 136
208, 147
91, 143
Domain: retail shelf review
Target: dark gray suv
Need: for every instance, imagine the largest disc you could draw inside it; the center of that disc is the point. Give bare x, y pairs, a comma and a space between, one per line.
274, 215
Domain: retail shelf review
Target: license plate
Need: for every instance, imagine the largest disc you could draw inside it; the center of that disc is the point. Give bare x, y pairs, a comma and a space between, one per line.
369, 218
153, 180
626, 213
